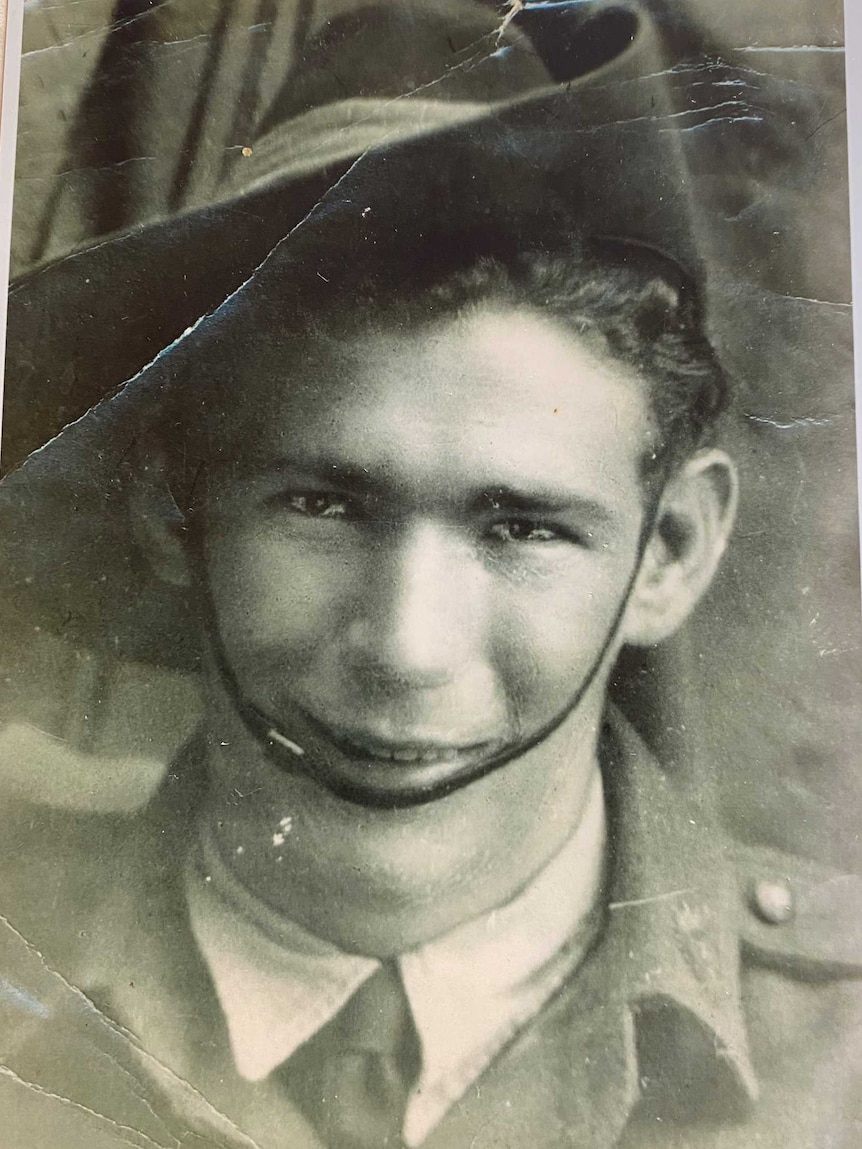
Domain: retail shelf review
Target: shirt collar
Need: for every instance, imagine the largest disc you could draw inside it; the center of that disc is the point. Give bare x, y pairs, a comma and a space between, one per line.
469, 990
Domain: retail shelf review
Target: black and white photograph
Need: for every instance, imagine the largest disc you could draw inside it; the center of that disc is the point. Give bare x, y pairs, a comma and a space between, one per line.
430, 617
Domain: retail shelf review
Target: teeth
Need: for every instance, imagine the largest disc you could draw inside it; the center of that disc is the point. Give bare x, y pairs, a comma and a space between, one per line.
406, 754
409, 753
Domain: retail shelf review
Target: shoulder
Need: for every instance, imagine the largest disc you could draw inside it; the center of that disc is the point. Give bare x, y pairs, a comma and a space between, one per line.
65, 876
57, 855
797, 915
800, 930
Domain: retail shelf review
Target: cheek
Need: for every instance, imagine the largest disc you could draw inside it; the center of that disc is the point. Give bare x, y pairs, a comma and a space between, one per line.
273, 593
551, 629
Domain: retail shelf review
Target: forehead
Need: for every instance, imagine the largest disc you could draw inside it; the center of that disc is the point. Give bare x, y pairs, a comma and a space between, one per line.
492, 394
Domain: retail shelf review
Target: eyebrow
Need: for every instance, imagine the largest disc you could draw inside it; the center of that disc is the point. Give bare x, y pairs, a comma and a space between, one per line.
547, 501
356, 479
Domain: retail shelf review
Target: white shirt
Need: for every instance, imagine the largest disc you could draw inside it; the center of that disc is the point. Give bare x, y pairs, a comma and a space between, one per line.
470, 990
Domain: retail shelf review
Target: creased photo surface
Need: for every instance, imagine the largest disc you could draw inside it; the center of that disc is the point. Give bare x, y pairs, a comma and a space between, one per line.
430, 638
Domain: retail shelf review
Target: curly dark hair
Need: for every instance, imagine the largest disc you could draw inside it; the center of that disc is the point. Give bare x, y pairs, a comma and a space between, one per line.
641, 307
646, 311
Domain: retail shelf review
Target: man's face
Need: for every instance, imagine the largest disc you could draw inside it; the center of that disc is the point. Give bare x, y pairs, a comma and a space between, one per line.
423, 543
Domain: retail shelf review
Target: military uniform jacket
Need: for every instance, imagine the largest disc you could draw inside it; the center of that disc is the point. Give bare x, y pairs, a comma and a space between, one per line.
720, 1007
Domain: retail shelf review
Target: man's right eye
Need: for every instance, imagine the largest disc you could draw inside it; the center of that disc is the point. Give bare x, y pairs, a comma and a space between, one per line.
319, 505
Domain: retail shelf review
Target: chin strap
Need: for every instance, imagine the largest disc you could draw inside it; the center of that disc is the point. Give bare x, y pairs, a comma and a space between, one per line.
291, 746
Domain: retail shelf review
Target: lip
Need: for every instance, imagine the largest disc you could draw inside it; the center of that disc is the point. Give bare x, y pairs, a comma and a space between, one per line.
369, 770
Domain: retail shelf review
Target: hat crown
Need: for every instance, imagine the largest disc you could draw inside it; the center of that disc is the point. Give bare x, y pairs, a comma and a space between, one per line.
452, 49
373, 75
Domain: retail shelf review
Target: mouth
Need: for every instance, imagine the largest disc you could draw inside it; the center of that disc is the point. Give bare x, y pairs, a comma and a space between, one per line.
369, 770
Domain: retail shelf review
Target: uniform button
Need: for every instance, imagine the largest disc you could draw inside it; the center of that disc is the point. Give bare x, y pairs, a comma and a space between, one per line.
773, 901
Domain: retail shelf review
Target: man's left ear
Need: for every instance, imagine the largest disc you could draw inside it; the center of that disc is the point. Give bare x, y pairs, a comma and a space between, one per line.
695, 518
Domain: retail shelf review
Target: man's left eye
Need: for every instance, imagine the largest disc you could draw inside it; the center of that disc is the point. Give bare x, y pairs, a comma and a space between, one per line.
523, 531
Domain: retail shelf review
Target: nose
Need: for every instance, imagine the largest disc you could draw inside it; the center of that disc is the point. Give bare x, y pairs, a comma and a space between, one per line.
420, 620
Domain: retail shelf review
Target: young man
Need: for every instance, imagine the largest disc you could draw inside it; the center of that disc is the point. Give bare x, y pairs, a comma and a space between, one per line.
420, 481
423, 527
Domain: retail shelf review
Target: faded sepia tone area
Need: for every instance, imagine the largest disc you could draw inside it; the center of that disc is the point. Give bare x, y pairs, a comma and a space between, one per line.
546, 713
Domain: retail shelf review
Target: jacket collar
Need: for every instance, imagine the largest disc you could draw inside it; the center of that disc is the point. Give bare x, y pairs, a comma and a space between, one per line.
666, 964
672, 903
